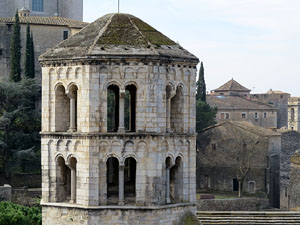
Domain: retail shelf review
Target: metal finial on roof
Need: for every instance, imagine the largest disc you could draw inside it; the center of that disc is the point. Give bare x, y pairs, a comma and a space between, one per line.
118, 6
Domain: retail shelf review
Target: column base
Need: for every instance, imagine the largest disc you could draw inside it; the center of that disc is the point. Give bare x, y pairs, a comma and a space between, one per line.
121, 203
121, 130
72, 130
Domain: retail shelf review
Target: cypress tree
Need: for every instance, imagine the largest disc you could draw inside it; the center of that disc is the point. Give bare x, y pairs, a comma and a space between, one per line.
32, 62
201, 86
27, 63
15, 52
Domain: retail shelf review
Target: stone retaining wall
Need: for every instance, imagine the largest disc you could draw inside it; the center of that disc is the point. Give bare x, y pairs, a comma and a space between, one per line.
243, 204
53, 214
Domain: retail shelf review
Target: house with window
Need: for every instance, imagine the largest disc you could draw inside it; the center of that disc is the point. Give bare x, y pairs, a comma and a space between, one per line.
225, 148
234, 103
47, 32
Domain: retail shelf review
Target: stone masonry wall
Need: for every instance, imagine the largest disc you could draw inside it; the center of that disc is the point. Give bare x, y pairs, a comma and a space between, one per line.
168, 215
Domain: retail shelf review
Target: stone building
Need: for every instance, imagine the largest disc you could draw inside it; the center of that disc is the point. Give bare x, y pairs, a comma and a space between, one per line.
278, 100
294, 113
225, 147
294, 188
96, 172
47, 32
290, 142
72, 9
234, 104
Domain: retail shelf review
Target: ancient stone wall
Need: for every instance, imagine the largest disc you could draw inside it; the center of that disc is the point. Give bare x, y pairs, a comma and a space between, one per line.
117, 215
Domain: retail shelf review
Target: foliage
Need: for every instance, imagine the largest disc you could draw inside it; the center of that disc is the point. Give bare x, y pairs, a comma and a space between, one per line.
188, 218
19, 127
29, 70
201, 86
15, 51
13, 214
205, 115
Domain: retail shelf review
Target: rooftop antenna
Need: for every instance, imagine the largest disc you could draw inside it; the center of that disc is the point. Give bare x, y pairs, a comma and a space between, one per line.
118, 6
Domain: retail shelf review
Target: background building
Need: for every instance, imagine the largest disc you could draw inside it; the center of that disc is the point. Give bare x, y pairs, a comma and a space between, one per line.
294, 113
72, 9
47, 32
234, 104
225, 147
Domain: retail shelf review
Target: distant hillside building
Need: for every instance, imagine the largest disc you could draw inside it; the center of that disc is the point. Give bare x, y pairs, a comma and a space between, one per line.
294, 113
47, 32
234, 104
72, 9
225, 147
277, 99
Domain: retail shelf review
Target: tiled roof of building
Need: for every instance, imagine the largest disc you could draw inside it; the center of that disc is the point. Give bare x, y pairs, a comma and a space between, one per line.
55, 21
247, 126
118, 35
236, 102
232, 85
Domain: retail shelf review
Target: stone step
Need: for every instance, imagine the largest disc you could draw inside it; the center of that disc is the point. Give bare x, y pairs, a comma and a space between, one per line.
249, 218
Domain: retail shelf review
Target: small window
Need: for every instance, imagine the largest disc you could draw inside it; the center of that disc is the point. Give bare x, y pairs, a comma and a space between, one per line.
213, 146
9, 27
226, 116
222, 116
38, 5
256, 115
243, 115
265, 115
1, 51
286, 192
66, 35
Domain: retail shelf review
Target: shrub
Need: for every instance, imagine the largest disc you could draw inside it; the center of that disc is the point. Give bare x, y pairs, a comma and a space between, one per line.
13, 214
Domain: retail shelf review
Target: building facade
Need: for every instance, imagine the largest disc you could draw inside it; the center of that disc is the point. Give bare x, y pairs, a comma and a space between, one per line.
294, 113
278, 100
98, 167
47, 32
228, 147
234, 104
72, 9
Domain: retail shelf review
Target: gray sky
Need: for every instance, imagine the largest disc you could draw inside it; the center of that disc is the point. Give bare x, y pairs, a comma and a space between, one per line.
256, 42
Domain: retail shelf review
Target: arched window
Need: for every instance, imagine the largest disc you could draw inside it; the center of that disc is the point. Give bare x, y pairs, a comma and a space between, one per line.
66, 180
112, 176
176, 181
168, 107
177, 111
62, 110
113, 100
130, 179
130, 108
38, 5
63, 192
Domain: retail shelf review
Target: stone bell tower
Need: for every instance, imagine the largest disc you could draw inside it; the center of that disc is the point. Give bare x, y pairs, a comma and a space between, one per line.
118, 126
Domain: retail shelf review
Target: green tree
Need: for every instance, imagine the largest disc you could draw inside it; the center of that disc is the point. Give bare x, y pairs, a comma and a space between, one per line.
19, 127
201, 86
27, 62
15, 52
32, 62
13, 214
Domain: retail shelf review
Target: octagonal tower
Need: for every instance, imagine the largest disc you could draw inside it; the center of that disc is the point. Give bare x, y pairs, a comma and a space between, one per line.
118, 126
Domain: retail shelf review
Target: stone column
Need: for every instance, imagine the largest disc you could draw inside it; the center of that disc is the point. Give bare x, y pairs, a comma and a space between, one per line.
72, 97
121, 128
168, 185
73, 185
121, 185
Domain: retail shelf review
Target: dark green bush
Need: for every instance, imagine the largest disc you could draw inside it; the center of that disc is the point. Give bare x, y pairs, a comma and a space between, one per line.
13, 214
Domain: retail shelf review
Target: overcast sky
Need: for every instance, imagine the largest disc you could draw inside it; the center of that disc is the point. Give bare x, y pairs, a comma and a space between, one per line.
256, 42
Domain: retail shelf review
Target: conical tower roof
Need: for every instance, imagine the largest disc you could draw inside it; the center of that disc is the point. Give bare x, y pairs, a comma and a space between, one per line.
116, 35
232, 85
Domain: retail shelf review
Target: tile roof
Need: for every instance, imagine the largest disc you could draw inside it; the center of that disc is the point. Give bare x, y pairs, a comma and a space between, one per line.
247, 126
55, 21
236, 102
232, 85
118, 35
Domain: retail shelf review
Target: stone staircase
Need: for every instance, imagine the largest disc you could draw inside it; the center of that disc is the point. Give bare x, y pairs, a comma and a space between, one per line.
249, 218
